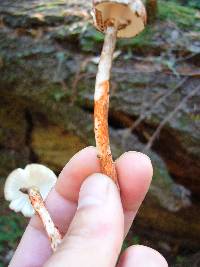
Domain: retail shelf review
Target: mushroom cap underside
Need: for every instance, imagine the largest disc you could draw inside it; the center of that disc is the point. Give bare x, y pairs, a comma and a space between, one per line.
128, 15
34, 175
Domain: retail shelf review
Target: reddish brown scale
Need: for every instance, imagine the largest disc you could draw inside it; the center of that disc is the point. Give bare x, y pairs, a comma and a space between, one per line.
39, 207
101, 105
102, 133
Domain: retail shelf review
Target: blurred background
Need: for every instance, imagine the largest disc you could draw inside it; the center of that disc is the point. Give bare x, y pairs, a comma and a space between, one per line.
48, 61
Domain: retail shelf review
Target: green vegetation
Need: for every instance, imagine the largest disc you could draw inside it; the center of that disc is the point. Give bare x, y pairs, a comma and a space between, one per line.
90, 40
180, 259
142, 40
183, 16
191, 3
11, 229
89, 37
130, 242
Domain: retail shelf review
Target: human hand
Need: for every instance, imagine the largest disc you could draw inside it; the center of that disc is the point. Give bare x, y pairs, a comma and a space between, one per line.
92, 216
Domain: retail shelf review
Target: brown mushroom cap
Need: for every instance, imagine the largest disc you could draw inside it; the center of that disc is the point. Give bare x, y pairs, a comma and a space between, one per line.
128, 15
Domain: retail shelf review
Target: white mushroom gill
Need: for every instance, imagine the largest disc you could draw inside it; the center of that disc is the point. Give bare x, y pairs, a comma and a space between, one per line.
33, 175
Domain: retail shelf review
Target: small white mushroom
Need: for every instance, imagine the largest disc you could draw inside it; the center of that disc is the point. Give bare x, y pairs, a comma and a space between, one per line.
32, 176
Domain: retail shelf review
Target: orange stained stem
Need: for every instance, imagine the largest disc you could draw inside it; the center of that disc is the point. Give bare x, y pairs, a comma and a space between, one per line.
101, 105
39, 206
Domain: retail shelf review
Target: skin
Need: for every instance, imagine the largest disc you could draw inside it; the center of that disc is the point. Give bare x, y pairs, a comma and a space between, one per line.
92, 216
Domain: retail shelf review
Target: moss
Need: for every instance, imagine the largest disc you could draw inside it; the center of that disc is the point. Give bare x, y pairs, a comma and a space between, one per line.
180, 259
130, 241
184, 17
143, 40
11, 229
50, 5
12, 226
58, 148
75, 31
89, 38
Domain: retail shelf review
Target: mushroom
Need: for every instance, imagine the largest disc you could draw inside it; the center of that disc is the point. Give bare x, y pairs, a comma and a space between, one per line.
128, 17
115, 18
26, 189
34, 175
39, 206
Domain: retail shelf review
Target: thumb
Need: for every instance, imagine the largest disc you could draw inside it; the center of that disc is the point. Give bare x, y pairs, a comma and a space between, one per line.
96, 233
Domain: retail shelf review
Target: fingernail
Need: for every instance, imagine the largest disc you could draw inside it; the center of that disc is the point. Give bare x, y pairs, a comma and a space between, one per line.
93, 191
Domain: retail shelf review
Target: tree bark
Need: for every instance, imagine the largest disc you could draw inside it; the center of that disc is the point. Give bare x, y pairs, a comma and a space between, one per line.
152, 10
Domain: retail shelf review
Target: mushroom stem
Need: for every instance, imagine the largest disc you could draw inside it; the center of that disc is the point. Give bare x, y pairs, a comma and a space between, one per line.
39, 206
101, 104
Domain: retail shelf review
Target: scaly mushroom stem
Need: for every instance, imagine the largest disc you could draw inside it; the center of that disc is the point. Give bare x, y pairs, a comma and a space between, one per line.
101, 104
39, 206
